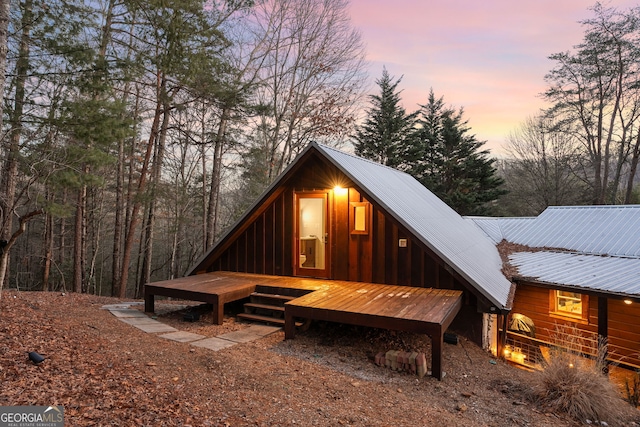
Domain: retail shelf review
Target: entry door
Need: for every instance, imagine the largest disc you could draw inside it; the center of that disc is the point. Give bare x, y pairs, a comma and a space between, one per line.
311, 258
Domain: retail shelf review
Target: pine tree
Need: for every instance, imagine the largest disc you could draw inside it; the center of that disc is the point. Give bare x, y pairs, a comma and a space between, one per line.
388, 128
449, 161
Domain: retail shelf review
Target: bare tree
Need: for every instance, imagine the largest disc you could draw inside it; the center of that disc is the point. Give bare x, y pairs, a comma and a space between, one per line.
541, 169
595, 96
311, 79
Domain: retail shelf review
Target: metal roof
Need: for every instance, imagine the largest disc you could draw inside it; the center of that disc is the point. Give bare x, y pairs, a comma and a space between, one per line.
461, 244
613, 275
500, 228
604, 230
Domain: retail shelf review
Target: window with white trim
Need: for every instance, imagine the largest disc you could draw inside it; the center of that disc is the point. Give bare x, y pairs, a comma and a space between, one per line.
569, 303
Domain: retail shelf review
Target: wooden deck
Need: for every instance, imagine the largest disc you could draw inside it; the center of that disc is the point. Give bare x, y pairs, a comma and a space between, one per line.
221, 287
420, 310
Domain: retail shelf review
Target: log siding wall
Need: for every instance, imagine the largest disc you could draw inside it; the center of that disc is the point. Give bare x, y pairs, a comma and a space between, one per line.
623, 331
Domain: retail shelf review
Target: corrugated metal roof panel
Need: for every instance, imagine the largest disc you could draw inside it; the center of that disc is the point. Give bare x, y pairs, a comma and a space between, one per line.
460, 243
606, 230
607, 274
500, 228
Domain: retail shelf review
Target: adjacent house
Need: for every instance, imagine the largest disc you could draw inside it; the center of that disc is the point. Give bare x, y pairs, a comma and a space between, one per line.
577, 271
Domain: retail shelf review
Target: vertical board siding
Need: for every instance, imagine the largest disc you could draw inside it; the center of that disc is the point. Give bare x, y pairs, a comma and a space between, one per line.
378, 241
366, 249
391, 253
269, 241
403, 260
259, 252
287, 235
252, 247
340, 238
278, 235
431, 270
417, 266
265, 243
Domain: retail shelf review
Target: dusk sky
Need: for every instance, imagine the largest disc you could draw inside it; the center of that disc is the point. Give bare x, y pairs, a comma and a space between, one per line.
489, 57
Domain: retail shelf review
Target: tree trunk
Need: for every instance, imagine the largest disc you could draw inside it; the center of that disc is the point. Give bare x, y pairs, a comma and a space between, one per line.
156, 176
117, 222
62, 233
5, 9
79, 240
633, 169
48, 251
212, 217
141, 188
94, 216
146, 248
118, 226
121, 208
4, 252
203, 144
10, 168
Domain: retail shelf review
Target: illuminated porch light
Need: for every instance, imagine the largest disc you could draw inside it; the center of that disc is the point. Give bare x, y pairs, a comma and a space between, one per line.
628, 301
507, 351
338, 190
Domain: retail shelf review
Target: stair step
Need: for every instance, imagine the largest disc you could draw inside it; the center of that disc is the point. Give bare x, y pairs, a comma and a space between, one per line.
264, 306
273, 296
265, 319
281, 291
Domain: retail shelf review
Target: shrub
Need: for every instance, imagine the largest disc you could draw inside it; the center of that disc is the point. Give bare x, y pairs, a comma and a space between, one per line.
632, 390
576, 386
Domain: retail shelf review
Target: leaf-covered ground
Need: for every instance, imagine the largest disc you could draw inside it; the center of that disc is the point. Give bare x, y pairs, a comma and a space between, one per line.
106, 372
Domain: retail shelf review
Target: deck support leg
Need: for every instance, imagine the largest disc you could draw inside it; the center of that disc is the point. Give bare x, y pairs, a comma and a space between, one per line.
218, 310
289, 325
436, 356
149, 303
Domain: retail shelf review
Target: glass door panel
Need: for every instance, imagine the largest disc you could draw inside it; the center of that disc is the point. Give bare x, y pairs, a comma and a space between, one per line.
311, 236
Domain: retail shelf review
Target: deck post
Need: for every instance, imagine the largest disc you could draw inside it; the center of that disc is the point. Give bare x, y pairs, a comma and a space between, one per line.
149, 302
436, 355
289, 324
218, 310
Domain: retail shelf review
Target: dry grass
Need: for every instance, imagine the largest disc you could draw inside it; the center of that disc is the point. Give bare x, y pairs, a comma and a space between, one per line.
632, 390
576, 386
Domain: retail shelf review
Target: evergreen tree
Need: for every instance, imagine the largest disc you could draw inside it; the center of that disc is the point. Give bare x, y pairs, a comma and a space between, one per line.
388, 128
449, 161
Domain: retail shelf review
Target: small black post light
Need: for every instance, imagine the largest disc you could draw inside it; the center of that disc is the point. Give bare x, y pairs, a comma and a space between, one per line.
35, 357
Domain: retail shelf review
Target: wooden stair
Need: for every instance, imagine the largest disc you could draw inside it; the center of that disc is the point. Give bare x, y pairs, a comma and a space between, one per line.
266, 305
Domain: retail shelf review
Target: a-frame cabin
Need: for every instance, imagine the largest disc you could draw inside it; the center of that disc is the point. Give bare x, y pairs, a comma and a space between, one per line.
335, 216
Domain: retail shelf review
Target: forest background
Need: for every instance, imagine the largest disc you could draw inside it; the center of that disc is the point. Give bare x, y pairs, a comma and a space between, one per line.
134, 132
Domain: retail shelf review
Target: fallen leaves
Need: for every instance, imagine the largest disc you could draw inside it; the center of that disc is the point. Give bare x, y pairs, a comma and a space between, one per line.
105, 372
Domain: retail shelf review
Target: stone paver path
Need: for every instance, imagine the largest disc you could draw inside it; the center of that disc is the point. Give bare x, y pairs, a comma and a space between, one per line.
182, 336
138, 319
251, 333
214, 343
148, 325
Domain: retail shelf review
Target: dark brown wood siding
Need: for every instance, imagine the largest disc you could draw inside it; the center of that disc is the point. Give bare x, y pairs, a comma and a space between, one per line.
264, 243
535, 302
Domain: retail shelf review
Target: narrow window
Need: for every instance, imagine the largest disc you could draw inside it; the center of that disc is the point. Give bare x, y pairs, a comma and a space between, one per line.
360, 218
